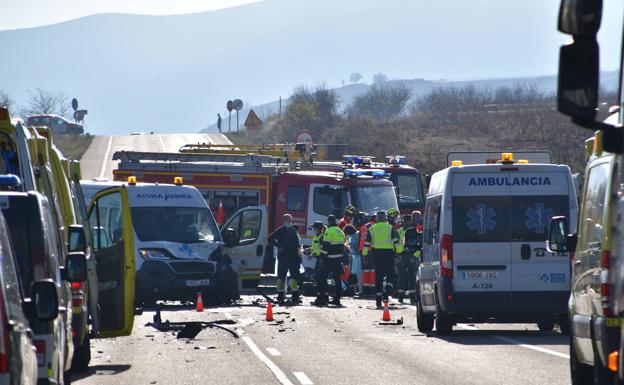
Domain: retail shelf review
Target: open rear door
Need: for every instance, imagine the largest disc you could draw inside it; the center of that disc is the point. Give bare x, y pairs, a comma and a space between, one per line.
250, 225
113, 242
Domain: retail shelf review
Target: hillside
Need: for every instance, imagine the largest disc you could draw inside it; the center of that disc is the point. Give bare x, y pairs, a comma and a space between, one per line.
174, 73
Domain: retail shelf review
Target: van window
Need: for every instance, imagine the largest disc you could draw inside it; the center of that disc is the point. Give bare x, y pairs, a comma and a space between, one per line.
594, 207
175, 224
296, 198
481, 219
531, 215
106, 221
432, 220
247, 226
409, 188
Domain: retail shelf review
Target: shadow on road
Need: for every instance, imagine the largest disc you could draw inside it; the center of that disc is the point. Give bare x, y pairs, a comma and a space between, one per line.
503, 337
101, 370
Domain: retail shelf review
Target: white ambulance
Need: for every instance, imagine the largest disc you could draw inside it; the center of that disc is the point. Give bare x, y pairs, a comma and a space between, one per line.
484, 252
165, 232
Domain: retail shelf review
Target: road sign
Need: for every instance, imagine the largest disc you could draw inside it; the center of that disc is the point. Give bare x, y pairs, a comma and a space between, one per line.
252, 121
304, 136
75, 104
229, 105
237, 104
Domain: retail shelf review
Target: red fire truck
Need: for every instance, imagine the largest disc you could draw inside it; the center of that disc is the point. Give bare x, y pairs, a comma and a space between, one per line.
256, 190
406, 179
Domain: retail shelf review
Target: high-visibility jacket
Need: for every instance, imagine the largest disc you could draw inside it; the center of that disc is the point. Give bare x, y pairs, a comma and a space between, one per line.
363, 234
381, 236
401, 234
334, 242
315, 248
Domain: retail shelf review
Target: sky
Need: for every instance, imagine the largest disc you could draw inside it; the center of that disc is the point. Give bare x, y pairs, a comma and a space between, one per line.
33, 13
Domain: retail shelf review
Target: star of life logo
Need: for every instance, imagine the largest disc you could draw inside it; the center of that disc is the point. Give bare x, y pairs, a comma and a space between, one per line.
481, 219
537, 218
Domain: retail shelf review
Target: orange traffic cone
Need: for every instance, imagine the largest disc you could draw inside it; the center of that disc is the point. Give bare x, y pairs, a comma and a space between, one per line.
386, 312
200, 303
220, 217
269, 313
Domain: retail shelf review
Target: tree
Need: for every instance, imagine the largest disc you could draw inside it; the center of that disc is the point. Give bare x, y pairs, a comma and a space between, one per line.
42, 101
355, 77
310, 109
380, 102
379, 78
5, 100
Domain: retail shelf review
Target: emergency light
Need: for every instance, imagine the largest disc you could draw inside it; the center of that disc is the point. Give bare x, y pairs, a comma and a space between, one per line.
395, 160
457, 163
178, 181
10, 180
522, 161
132, 180
353, 173
507, 157
357, 159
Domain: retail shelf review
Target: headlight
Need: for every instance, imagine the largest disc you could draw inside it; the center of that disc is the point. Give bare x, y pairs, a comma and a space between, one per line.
155, 254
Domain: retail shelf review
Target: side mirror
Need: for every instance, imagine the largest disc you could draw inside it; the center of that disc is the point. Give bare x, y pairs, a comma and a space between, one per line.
580, 17
577, 87
44, 300
559, 239
230, 238
75, 267
77, 239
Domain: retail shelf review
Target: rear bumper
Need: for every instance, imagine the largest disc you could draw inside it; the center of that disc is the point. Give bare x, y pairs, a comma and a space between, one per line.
519, 306
173, 281
606, 335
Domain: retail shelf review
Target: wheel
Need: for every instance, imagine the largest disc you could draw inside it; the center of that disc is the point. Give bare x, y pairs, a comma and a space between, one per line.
602, 375
443, 323
546, 326
580, 373
424, 321
82, 355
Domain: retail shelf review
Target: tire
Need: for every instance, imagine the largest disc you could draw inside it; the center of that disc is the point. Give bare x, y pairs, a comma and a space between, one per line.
443, 323
546, 326
82, 356
424, 321
580, 373
602, 375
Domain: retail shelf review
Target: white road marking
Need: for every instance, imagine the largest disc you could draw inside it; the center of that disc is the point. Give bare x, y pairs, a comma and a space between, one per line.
106, 155
303, 378
273, 352
277, 372
518, 342
162, 144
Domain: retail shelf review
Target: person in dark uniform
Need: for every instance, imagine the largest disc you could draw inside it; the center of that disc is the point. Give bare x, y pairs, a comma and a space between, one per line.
286, 239
410, 258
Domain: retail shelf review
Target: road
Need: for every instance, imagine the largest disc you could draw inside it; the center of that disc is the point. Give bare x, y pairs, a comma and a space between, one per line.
327, 346
97, 160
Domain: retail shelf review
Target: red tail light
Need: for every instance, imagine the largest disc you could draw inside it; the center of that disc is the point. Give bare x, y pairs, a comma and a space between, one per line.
4, 337
605, 284
40, 345
446, 256
77, 285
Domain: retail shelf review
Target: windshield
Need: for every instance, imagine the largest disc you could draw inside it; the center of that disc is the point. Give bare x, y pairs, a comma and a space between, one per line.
175, 224
371, 199
409, 189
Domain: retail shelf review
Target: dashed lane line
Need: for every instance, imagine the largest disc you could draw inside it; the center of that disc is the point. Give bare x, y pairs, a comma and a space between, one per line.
303, 379
277, 372
106, 155
518, 342
273, 352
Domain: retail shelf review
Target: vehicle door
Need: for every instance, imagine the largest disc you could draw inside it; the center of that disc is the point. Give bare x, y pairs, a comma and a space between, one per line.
428, 270
324, 200
534, 269
586, 269
481, 235
113, 242
250, 225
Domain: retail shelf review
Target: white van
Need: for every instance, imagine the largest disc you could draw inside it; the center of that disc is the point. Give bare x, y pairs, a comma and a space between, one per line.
484, 252
166, 231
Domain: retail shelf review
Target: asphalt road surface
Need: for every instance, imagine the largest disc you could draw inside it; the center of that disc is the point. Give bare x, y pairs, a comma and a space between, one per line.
97, 160
310, 345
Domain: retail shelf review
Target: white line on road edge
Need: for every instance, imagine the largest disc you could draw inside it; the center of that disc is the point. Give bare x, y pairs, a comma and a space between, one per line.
273, 352
281, 376
162, 144
518, 342
303, 378
106, 155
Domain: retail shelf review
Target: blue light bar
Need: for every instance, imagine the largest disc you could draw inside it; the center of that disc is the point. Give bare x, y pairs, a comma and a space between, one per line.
10, 180
375, 173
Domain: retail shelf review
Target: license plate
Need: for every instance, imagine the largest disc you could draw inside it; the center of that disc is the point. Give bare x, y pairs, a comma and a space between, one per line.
611, 322
197, 282
480, 275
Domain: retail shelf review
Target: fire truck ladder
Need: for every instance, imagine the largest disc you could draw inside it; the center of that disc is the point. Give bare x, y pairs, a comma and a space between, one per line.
288, 152
137, 157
